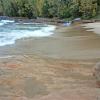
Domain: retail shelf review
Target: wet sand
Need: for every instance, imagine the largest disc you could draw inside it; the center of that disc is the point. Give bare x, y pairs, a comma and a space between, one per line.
72, 42
59, 67
35, 78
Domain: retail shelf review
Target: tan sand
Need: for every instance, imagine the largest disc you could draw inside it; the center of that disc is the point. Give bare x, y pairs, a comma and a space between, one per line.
35, 78
95, 27
59, 67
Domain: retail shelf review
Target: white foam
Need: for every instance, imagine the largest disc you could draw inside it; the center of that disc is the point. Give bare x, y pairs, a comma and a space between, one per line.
10, 37
7, 21
3, 57
3, 22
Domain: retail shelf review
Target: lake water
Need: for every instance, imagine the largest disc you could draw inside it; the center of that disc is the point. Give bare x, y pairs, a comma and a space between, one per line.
10, 31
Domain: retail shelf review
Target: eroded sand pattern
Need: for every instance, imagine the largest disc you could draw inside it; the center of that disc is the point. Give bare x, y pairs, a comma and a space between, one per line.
33, 78
55, 68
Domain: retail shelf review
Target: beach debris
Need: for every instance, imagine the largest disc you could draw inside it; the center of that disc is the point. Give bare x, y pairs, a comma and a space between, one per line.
77, 19
97, 73
67, 23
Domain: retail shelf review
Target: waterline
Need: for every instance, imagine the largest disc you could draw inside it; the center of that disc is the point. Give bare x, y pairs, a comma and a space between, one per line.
10, 31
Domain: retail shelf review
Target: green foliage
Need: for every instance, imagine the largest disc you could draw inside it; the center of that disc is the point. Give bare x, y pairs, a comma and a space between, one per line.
88, 8
18, 8
25, 9
13, 9
50, 8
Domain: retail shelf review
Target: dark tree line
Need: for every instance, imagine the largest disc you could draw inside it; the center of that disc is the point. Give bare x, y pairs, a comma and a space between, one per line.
50, 8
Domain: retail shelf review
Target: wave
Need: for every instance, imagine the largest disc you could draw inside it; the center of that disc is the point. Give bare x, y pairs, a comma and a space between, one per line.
21, 30
3, 22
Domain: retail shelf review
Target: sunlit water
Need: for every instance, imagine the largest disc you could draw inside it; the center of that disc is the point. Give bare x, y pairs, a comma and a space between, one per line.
10, 31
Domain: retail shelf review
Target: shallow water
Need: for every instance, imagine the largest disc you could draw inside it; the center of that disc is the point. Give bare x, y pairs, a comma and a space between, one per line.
71, 42
10, 31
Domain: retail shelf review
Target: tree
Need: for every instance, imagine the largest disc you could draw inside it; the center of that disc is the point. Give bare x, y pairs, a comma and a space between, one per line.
1, 7
50, 8
88, 8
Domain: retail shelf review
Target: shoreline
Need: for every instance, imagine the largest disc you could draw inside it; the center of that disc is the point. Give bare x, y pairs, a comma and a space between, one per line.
49, 21
72, 42
35, 68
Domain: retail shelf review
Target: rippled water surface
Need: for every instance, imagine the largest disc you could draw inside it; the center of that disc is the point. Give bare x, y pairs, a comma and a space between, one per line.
10, 31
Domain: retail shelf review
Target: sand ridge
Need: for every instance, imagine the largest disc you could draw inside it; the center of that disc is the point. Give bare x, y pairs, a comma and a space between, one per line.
35, 78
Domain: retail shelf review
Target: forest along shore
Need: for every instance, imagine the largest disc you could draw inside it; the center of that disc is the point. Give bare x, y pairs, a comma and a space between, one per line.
59, 67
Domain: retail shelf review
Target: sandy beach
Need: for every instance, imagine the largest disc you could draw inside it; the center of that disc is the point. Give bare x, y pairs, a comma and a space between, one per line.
72, 42
95, 27
58, 67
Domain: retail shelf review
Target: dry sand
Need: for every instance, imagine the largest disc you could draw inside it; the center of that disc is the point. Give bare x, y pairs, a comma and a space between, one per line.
59, 67
95, 27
